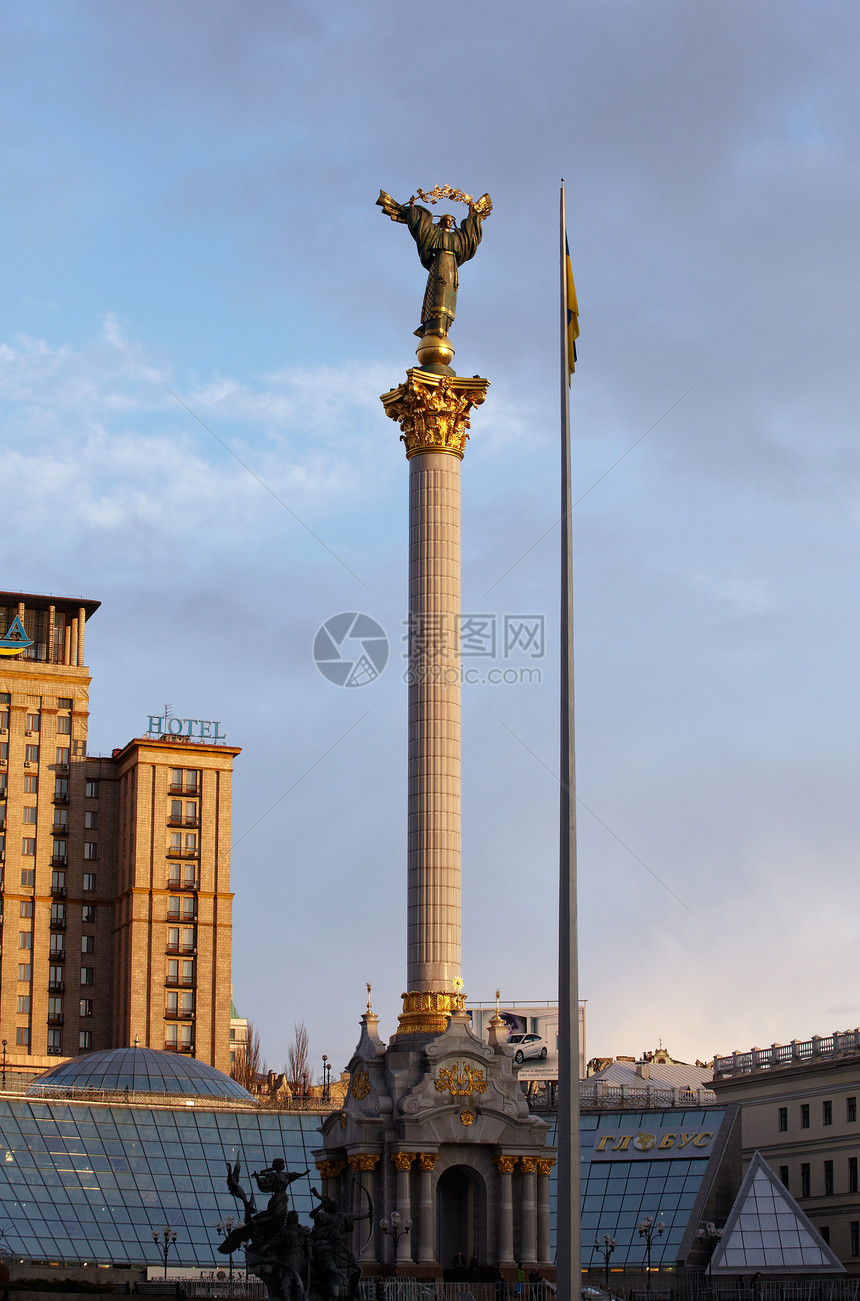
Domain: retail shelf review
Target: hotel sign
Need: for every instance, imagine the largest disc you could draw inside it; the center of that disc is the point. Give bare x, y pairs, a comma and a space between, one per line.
16, 640
646, 1145
203, 728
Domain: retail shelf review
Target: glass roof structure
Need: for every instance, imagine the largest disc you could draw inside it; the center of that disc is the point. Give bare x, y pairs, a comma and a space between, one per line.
768, 1233
140, 1070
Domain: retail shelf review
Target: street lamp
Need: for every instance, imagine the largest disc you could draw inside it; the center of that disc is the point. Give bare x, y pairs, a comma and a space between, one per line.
709, 1235
396, 1228
606, 1248
169, 1236
225, 1228
326, 1078
647, 1230
5, 1041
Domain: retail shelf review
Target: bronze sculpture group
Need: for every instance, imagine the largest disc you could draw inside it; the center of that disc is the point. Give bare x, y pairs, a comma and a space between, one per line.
294, 1261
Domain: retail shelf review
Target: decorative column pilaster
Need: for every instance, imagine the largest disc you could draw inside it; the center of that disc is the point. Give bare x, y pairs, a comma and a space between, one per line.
433, 413
330, 1172
528, 1208
403, 1164
363, 1165
544, 1251
426, 1208
505, 1166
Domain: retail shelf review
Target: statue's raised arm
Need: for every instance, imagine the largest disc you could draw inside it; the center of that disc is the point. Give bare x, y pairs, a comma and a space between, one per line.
442, 248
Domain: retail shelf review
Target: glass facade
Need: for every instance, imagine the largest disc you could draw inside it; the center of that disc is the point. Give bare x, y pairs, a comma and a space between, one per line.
143, 1070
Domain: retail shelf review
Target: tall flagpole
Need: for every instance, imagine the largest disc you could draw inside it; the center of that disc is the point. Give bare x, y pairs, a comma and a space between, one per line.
568, 1250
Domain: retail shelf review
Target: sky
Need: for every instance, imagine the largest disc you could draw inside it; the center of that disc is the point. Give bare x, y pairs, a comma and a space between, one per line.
201, 305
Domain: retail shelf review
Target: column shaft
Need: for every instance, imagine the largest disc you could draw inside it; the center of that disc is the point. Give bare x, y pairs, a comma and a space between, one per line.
528, 1211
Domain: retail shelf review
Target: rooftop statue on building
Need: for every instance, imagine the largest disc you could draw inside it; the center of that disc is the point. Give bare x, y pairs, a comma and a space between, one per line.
442, 248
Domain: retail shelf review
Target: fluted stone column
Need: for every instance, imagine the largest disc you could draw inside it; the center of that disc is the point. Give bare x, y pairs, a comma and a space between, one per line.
505, 1166
544, 1251
528, 1209
433, 413
363, 1165
403, 1164
426, 1208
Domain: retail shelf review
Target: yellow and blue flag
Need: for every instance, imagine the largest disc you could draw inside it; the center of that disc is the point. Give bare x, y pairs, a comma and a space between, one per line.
572, 311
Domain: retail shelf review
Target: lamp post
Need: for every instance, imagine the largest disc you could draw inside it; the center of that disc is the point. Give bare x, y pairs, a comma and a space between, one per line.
5, 1041
647, 1230
709, 1235
396, 1228
326, 1078
169, 1236
606, 1248
225, 1228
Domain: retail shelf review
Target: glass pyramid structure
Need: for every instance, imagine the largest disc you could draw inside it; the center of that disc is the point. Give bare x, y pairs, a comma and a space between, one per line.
768, 1233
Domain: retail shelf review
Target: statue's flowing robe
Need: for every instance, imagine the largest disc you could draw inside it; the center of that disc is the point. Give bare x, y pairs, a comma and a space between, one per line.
441, 252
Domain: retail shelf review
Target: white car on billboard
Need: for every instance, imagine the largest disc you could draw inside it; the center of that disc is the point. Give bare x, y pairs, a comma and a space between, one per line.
526, 1047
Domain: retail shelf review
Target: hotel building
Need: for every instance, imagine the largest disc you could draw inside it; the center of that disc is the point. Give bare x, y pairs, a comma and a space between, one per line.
114, 871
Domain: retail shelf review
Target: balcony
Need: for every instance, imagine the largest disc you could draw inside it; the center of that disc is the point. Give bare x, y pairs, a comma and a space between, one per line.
179, 1048
173, 982
177, 1014
61, 798
58, 923
183, 822
175, 884
183, 790
59, 860
55, 1018
56, 986
58, 892
57, 955
184, 950
182, 853
181, 919
60, 829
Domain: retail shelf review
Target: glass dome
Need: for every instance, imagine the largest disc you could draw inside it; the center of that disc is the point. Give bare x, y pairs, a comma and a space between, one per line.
140, 1070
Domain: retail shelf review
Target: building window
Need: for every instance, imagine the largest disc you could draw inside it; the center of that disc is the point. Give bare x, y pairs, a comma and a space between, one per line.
25, 939
85, 1039
60, 849
91, 819
64, 725
61, 820
824, 1230
89, 881
804, 1179
88, 977
854, 1226
23, 1004
827, 1111
62, 754
190, 842
22, 1036
31, 753
61, 787
92, 790
170, 1036
804, 1121
58, 879
55, 977
25, 971
28, 813
64, 702
91, 850
55, 1006
88, 913
58, 912
28, 846
86, 1007
32, 722
828, 1178
853, 1185
4, 750
173, 971
26, 908
88, 944
57, 946
28, 878
176, 841
851, 1110
188, 972
31, 784
4, 719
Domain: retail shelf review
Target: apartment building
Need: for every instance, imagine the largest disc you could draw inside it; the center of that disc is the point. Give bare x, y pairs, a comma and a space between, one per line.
115, 871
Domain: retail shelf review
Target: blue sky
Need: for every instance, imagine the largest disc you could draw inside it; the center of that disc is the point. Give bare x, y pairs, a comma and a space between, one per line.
188, 205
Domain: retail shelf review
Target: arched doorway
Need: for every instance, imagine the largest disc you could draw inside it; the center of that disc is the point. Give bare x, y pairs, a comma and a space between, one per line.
461, 1216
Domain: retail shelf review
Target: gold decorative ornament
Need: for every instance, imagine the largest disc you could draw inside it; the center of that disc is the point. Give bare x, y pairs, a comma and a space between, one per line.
343, 1120
360, 1084
460, 1080
403, 1160
505, 1164
331, 1169
427, 1160
433, 411
427, 1012
467, 1117
361, 1162
545, 1164
528, 1164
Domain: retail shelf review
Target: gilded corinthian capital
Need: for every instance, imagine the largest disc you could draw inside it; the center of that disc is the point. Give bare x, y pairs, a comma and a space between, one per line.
433, 411
403, 1160
361, 1162
505, 1164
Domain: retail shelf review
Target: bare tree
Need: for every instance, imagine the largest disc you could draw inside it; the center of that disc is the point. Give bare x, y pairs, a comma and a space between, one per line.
298, 1066
249, 1066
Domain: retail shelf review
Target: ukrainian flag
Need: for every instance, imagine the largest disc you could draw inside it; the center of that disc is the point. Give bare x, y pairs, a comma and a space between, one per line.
572, 311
